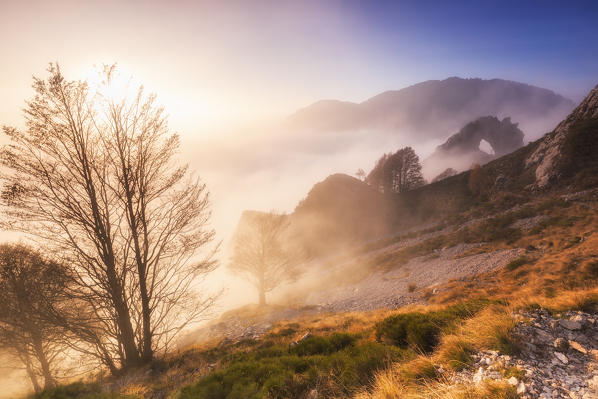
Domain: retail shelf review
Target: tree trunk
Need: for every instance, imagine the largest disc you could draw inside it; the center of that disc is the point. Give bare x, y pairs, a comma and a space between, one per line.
30, 372
43, 361
126, 334
147, 353
262, 298
262, 294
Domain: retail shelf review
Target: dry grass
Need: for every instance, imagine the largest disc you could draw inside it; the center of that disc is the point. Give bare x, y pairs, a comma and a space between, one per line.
560, 273
388, 387
418, 378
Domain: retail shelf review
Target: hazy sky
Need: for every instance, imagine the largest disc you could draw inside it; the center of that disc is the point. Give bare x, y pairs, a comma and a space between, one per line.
221, 65
217, 63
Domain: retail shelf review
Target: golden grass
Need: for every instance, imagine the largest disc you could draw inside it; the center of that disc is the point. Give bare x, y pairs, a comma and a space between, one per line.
388, 387
559, 255
489, 329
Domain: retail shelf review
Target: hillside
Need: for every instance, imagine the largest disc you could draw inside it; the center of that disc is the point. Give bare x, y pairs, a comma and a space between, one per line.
481, 285
436, 107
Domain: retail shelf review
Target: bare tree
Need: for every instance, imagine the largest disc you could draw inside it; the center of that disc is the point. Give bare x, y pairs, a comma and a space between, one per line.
360, 174
29, 284
261, 253
94, 177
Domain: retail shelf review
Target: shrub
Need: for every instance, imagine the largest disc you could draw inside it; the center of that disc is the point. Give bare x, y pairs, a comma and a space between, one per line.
421, 331
335, 364
456, 353
79, 390
418, 370
318, 345
590, 269
415, 330
515, 264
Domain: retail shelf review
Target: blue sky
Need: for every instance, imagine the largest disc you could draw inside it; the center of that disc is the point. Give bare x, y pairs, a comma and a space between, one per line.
549, 43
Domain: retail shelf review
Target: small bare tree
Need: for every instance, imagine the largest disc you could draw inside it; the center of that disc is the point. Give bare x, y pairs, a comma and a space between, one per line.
262, 254
360, 174
94, 177
30, 284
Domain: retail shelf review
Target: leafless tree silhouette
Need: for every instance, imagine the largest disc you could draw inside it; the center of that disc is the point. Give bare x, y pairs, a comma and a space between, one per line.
30, 283
94, 178
261, 253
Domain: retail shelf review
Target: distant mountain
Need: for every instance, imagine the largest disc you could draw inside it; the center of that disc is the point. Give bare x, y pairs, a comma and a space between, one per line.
342, 210
435, 107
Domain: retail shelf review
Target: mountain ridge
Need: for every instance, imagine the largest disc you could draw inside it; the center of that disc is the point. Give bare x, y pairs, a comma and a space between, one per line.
435, 107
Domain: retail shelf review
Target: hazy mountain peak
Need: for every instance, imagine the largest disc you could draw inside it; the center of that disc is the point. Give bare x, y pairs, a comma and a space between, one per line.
434, 108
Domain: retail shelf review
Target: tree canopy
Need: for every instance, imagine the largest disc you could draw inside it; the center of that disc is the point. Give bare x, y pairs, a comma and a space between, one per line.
397, 173
261, 253
95, 179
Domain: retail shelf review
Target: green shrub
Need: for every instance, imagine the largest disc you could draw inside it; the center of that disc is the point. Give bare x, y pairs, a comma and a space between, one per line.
515, 264
318, 345
77, 390
335, 364
421, 331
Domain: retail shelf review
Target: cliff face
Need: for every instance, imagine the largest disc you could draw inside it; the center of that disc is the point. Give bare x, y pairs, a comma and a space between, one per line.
551, 154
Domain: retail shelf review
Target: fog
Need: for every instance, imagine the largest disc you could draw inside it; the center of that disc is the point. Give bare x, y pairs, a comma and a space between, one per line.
273, 167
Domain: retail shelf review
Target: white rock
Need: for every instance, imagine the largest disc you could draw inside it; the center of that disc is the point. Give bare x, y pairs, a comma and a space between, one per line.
561, 357
513, 381
521, 388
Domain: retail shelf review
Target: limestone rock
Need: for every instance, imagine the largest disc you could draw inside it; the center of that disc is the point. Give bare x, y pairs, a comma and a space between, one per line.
570, 324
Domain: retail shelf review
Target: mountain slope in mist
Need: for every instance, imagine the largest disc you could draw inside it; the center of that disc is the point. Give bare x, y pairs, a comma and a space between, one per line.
435, 107
342, 210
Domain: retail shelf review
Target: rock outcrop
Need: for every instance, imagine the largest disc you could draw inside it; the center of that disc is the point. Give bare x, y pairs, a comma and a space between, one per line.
558, 357
462, 149
341, 210
546, 157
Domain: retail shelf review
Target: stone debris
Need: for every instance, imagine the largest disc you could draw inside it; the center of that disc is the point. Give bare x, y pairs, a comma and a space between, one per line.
558, 358
391, 289
529, 223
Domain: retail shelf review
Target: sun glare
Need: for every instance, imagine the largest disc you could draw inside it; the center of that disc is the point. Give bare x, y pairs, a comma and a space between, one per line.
115, 85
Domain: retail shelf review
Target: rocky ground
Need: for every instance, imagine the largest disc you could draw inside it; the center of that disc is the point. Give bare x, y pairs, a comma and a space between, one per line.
402, 286
558, 358
393, 289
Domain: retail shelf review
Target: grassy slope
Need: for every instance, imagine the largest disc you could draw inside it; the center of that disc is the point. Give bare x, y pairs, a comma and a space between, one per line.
363, 354
352, 355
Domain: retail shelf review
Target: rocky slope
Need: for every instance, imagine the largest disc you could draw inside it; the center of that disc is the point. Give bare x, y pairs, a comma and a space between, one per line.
549, 153
558, 358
